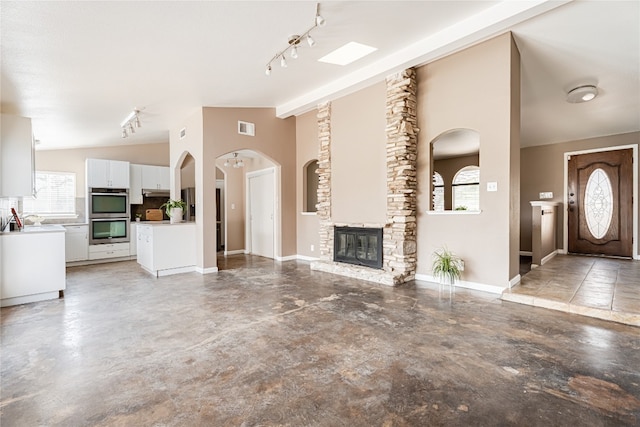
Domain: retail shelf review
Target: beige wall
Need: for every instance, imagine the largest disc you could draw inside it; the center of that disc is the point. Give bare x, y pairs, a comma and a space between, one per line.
359, 157
179, 149
188, 173
308, 229
211, 133
543, 171
73, 160
473, 89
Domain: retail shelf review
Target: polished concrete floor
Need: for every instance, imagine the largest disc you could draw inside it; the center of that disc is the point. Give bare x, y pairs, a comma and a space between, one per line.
275, 344
604, 288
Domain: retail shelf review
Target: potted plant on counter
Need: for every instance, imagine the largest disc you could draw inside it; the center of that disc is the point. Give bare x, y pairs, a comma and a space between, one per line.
446, 266
174, 209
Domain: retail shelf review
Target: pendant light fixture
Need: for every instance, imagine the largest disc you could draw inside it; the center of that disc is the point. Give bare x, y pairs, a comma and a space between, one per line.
294, 42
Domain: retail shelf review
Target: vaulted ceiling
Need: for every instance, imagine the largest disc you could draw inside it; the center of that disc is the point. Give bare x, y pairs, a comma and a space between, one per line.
78, 68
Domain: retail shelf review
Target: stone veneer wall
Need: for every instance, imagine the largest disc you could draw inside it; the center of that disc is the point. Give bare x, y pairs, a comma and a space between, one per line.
399, 234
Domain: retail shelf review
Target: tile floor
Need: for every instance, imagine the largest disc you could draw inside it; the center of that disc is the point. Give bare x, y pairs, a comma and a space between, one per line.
604, 288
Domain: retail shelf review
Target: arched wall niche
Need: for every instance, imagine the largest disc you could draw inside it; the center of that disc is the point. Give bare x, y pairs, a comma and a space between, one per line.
451, 151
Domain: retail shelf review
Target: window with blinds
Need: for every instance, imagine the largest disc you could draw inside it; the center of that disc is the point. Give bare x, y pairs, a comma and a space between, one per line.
55, 195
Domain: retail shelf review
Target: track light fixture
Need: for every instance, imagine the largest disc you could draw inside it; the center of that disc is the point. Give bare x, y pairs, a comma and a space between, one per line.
294, 42
130, 124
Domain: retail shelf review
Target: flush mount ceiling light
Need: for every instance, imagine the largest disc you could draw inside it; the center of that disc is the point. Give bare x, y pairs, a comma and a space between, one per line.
236, 162
583, 93
347, 54
130, 124
294, 43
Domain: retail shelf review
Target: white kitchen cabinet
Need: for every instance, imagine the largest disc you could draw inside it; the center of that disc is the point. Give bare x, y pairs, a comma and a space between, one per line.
165, 249
76, 243
155, 177
133, 243
135, 185
17, 159
108, 250
107, 173
33, 266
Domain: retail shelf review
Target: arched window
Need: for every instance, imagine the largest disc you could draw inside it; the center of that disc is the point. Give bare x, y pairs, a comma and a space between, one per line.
438, 192
310, 186
466, 189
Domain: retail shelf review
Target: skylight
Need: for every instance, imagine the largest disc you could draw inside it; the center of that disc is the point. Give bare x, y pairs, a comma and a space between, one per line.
348, 53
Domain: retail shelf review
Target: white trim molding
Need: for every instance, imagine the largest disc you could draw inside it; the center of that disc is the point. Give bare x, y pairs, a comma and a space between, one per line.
208, 270
236, 252
526, 253
287, 258
464, 284
307, 258
549, 257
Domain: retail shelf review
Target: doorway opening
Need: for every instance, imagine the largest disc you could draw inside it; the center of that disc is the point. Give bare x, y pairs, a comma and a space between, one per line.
248, 194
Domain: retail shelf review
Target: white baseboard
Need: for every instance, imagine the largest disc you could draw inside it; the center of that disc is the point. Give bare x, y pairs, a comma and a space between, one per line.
287, 258
236, 252
548, 257
514, 281
206, 270
526, 253
561, 251
307, 258
464, 284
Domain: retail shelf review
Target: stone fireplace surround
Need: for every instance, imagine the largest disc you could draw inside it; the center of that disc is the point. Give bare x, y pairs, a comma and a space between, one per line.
399, 231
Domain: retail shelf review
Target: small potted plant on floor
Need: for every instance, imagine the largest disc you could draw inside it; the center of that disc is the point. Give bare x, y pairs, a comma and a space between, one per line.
446, 266
174, 209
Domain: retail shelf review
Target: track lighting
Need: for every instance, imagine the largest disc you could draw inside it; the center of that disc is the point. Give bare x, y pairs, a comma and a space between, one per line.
320, 22
294, 42
130, 123
310, 40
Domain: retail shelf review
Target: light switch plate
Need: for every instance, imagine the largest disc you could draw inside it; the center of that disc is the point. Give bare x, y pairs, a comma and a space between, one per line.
546, 195
492, 186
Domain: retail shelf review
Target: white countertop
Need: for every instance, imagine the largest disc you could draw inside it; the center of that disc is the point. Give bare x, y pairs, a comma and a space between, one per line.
34, 229
163, 223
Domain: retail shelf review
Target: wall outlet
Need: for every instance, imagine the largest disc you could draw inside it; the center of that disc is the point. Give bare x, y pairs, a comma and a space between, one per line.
492, 186
233, 205
313, 248
546, 195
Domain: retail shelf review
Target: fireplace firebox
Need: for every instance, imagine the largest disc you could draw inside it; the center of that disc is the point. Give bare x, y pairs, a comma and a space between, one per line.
359, 246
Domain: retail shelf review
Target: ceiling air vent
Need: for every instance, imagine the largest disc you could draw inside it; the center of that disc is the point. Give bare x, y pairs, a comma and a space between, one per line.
246, 128
183, 133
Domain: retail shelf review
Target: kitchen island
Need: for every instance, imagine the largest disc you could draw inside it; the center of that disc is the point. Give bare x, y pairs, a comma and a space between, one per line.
33, 264
165, 248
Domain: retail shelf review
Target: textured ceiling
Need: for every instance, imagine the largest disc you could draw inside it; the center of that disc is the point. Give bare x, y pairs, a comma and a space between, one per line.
78, 68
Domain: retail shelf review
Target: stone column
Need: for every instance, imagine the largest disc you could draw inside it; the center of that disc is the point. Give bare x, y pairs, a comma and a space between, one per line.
402, 149
324, 182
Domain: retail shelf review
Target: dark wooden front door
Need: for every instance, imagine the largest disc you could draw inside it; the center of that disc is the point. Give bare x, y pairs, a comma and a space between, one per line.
600, 205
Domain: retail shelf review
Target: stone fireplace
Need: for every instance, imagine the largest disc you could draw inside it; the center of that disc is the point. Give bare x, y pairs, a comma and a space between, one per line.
398, 261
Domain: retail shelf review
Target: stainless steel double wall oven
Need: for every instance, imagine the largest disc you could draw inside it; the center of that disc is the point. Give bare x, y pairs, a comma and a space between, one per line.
109, 215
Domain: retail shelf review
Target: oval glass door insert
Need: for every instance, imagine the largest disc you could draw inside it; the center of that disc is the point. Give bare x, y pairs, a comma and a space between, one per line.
598, 203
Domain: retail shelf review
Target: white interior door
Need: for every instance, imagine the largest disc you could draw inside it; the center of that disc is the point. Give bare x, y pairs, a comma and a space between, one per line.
261, 211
